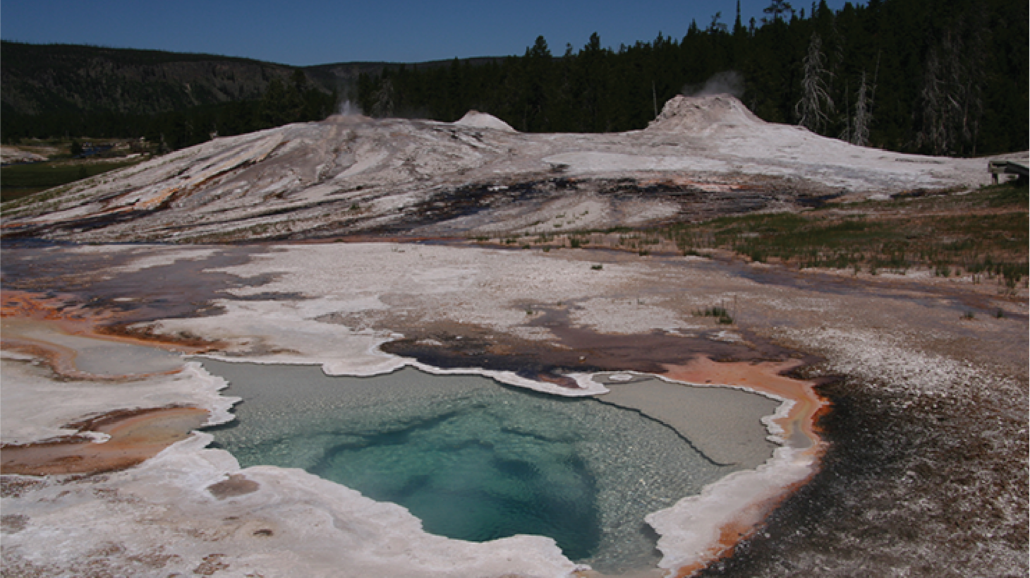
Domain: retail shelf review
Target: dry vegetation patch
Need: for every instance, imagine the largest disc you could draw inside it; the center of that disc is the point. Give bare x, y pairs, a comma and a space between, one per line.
980, 235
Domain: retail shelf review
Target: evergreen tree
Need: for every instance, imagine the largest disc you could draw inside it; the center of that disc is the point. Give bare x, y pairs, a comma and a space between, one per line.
776, 9
538, 65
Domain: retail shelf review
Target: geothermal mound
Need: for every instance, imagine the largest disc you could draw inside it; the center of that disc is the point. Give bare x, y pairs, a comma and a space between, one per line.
702, 157
703, 114
476, 119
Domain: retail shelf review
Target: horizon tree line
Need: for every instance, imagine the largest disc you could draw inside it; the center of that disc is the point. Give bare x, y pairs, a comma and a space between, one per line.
945, 77
938, 77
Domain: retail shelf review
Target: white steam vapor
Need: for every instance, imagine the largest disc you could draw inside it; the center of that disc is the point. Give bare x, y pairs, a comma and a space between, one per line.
349, 108
727, 82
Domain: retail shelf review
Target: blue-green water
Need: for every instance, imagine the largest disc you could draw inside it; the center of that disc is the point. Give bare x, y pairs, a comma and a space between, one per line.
473, 459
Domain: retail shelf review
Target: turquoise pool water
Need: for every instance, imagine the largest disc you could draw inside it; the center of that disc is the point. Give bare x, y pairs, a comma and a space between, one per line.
473, 459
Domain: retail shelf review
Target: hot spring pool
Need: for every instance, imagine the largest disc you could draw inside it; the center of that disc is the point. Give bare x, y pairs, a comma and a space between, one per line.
473, 459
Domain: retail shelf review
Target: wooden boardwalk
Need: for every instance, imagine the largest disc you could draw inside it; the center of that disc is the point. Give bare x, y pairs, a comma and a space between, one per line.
1020, 169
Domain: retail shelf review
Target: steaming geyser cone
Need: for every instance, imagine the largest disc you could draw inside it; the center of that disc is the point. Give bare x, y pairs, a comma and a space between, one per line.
705, 114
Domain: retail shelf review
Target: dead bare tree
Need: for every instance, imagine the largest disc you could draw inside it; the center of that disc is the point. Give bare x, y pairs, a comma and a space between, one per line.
863, 115
933, 132
952, 94
967, 80
816, 104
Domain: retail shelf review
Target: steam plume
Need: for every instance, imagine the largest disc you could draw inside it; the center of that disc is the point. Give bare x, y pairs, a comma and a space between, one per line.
727, 82
349, 108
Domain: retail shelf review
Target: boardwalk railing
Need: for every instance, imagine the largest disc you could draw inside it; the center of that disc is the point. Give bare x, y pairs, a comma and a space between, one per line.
1020, 169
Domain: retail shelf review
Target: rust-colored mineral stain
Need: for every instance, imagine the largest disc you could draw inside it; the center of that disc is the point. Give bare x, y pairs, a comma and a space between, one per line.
28, 318
135, 435
765, 377
61, 308
66, 315
60, 358
729, 536
742, 527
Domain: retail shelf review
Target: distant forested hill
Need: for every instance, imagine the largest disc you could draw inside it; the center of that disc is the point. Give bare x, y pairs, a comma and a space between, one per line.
59, 89
54, 77
933, 76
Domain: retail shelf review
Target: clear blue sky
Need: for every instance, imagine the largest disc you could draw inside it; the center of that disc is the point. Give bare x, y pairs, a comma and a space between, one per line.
306, 32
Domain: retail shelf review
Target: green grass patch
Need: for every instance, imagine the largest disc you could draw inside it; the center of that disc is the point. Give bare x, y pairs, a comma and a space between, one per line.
1007, 194
983, 232
719, 313
21, 180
